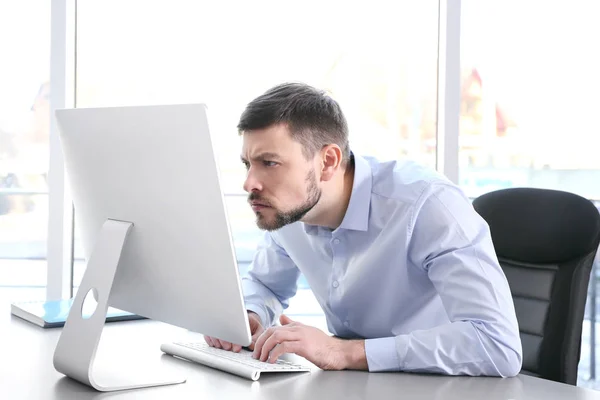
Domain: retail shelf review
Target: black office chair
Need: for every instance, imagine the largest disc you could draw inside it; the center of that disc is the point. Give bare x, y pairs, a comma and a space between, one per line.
546, 241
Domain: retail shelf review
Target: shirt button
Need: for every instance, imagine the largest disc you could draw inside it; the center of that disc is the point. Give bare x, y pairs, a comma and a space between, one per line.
336, 241
335, 284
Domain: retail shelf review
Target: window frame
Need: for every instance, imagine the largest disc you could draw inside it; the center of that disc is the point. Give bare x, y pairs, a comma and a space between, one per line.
60, 205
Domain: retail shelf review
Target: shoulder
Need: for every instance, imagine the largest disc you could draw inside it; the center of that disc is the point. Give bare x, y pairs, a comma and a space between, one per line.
405, 181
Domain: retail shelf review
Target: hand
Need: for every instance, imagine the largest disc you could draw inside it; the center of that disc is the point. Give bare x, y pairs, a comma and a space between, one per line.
316, 346
256, 329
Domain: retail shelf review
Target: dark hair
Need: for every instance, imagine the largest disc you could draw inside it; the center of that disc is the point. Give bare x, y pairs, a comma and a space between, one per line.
313, 118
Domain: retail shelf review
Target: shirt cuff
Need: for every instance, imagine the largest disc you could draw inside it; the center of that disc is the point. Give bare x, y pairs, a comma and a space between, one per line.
260, 311
382, 354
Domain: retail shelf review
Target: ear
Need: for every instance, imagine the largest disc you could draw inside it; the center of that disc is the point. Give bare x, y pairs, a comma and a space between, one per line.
331, 161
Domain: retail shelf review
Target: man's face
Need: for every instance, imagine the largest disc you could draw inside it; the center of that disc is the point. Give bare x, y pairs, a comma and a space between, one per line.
281, 183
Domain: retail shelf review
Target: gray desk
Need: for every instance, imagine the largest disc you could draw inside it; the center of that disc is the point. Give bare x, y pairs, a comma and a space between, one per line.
26, 372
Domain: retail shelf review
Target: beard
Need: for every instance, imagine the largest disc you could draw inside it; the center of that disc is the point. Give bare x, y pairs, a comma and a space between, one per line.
283, 218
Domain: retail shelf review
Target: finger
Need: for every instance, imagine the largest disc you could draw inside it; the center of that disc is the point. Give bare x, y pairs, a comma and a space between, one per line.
278, 337
258, 331
236, 348
260, 341
285, 320
255, 328
225, 345
209, 341
254, 339
283, 348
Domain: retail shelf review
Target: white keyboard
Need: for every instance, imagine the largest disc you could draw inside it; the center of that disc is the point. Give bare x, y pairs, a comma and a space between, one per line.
241, 364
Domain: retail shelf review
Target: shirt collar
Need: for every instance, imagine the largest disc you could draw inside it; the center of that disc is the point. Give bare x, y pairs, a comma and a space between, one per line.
357, 213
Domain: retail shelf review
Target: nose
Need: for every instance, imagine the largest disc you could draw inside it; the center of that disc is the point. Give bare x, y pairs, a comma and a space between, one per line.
252, 183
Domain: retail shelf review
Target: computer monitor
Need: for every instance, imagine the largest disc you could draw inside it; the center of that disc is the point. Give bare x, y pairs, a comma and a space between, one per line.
151, 213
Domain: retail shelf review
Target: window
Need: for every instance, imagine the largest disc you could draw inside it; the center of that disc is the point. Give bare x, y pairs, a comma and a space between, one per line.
379, 62
529, 105
24, 133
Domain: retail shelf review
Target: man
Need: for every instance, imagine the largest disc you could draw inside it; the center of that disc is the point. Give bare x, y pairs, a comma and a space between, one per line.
398, 259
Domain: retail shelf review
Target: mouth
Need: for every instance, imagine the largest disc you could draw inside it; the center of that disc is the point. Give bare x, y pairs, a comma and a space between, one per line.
258, 206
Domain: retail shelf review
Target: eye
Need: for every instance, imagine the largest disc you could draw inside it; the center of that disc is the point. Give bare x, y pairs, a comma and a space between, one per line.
267, 163
246, 164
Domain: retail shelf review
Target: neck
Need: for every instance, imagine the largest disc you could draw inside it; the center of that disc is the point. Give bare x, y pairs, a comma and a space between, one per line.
334, 201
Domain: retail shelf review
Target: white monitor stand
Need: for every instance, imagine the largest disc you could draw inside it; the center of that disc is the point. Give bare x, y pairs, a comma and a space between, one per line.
76, 349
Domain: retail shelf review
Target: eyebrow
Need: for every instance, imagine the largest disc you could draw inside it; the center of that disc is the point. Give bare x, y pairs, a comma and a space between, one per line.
263, 156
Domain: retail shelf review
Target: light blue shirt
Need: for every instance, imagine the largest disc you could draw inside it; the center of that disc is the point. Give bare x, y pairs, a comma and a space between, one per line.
411, 269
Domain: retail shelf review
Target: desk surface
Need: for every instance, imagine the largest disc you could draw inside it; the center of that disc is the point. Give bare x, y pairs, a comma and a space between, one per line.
26, 372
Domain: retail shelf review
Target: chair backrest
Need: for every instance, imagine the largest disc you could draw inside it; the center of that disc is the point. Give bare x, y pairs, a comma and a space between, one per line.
546, 241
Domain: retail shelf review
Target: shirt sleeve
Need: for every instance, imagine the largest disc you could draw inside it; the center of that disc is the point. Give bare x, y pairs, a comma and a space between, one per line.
453, 245
271, 281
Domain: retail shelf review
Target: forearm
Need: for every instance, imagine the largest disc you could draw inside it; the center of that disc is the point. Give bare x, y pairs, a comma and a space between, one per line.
459, 348
262, 301
270, 281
